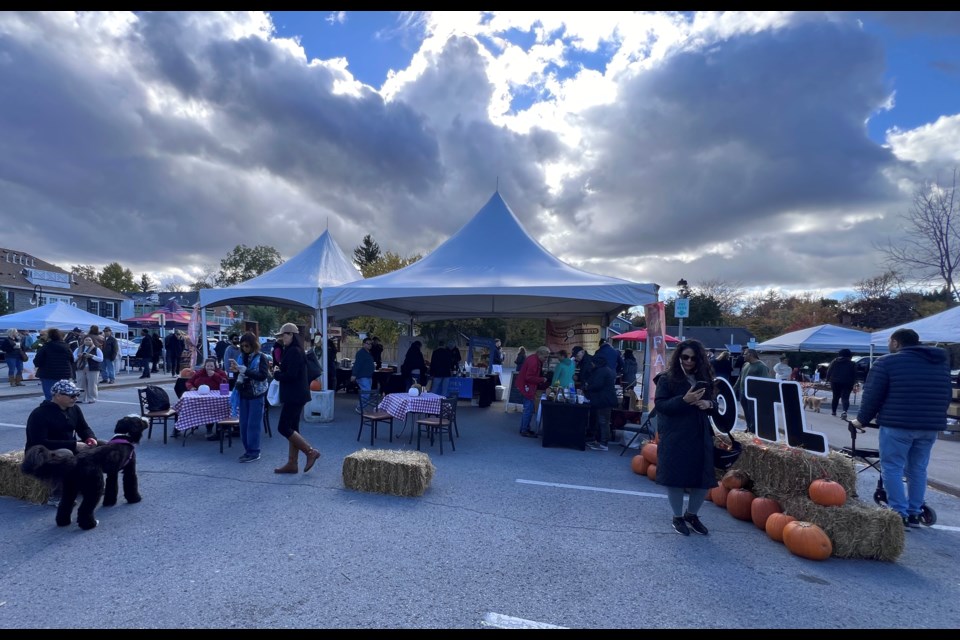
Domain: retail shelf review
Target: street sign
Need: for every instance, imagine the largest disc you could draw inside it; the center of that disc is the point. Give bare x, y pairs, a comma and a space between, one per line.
682, 308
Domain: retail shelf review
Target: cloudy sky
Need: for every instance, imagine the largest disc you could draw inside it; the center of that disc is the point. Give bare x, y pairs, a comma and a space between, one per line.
763, 149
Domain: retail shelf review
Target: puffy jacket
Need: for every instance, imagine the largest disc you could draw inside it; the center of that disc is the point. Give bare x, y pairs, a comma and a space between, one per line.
600, 388
53, 361
909, 389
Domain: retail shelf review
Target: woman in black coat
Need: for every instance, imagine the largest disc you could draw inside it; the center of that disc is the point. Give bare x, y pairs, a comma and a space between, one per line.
291, 373
685, 452
842, 375
414, 361
54, 362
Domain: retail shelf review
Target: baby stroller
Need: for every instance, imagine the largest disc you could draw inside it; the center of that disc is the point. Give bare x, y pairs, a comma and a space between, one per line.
871, 458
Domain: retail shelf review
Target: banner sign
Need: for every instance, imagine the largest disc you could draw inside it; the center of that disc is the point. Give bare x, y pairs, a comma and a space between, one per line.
567, 334
656, 329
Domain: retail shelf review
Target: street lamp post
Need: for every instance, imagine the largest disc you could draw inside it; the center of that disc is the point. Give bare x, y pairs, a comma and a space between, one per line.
681, 308
37, 298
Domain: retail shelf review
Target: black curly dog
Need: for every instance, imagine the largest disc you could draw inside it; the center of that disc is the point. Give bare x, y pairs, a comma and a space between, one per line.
83, 474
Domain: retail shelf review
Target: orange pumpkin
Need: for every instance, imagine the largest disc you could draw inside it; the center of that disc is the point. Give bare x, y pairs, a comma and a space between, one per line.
720, 494
827, 493
709, 497
738, 503
761, 509
636, 465
649, 451
186, 372
736, 479
807, 540
775, 524
315, 385
652, 472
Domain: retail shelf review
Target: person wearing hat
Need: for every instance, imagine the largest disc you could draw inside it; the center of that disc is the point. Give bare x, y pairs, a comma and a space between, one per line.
58, 424
291, 373
842, 375
529, 378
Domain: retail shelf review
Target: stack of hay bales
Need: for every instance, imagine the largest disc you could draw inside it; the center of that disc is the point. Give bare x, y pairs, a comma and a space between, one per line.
398, 473
857, 529
16, 485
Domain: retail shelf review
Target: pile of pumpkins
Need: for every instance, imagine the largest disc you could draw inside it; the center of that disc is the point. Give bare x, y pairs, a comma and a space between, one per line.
804, 539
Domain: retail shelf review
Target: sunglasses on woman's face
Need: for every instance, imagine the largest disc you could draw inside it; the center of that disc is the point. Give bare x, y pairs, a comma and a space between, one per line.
685, 357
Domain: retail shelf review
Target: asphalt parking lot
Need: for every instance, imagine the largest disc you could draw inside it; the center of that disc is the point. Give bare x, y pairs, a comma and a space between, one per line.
509, 535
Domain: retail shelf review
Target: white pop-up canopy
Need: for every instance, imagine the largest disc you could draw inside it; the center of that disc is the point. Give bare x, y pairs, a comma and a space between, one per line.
58, 315
826, 338
940, 327
490, 268
295, 283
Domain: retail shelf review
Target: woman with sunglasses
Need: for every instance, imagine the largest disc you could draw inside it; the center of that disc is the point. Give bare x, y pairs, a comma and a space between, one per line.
685, 453
251, 371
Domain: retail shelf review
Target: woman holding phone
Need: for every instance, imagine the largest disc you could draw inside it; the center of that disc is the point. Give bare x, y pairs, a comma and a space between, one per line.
685, 454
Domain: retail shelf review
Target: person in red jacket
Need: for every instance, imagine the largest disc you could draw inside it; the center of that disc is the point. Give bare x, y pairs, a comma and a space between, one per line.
529, 377
209, 375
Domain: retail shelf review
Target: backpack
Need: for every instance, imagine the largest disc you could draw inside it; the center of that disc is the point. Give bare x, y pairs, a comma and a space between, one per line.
313, 365
157, 398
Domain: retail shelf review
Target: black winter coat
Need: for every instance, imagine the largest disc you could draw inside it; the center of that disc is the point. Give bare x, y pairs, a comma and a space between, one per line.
53, 361
294, 385
601, 388
55, 428
685, 452
842, 371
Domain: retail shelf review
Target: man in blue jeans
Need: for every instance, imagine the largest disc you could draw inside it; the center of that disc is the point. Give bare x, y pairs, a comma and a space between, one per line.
908, 392
362, 373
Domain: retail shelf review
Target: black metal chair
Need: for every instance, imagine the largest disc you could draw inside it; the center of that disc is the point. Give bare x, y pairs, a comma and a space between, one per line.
371, 416
440, 424
155, 417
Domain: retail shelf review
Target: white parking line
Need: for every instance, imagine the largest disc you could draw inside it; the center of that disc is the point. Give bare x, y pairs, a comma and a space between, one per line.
17, 426
500, 621
645, 494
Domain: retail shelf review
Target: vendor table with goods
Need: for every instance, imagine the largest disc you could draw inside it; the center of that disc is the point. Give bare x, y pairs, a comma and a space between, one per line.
195, 409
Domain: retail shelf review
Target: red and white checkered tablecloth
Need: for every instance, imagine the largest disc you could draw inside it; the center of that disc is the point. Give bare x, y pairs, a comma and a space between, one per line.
400, 404
195, 409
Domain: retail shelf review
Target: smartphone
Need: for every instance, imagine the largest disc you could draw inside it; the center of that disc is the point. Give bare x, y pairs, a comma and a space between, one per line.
700, 384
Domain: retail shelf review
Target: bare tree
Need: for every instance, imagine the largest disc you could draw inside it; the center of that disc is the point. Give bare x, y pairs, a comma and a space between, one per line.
730, 296
885, 285
930, 246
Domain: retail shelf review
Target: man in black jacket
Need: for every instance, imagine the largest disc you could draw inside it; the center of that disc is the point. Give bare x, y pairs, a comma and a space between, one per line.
111, 348
59, 424
145, 353
601, 389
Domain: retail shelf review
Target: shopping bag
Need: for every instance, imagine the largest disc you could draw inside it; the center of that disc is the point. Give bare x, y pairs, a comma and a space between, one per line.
273, 393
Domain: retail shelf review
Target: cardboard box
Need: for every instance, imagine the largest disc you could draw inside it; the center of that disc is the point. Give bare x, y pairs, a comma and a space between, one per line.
954, 409
956, 394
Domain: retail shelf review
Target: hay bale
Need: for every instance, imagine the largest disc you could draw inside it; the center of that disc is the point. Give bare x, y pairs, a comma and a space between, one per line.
398, 473
857, 530
783, 471
16, 485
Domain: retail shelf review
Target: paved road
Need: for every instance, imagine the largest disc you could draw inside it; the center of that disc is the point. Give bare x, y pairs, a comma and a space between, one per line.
509, 534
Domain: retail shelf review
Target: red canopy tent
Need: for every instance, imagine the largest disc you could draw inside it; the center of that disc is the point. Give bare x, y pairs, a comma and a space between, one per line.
640, 335
173, 317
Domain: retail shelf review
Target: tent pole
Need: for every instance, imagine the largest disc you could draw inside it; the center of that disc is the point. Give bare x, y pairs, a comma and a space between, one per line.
322, 327
203, 333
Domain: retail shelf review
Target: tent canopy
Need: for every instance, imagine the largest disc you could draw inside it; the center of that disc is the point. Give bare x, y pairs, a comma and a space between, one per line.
59, 315
940, 327
827, 338
640, 335
295, 283
490, 268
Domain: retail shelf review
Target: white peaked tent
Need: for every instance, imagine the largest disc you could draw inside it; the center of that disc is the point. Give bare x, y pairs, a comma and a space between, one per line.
59, 315
295, 283
490, 268
940, 327
827, 338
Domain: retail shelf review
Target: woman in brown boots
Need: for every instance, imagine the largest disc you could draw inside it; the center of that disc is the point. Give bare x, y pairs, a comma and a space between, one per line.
294, 394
